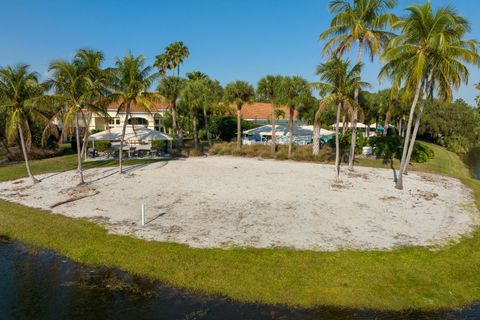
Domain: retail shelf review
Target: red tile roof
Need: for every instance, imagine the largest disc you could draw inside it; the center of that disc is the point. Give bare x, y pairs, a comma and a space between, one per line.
156, 107
261, 111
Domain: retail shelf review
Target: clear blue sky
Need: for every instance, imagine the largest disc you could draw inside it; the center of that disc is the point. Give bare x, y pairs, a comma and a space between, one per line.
229, 40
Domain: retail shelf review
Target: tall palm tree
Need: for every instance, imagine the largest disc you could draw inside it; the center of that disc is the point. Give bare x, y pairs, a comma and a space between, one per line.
294, 91
170, 88
78, 86
239, 93
340, 81
361, 22
429, 54
130, 84
19, 88
89, 62
172, 57
268, 88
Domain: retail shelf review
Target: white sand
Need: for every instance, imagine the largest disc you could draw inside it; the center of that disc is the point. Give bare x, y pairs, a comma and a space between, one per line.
227, 201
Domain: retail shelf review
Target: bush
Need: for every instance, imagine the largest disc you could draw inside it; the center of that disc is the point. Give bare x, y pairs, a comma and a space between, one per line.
100, 145
389, 147
225, 127
158, 144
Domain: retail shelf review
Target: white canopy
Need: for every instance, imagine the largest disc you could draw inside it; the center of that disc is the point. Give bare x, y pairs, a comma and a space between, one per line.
282, 130
350, 125
140, 133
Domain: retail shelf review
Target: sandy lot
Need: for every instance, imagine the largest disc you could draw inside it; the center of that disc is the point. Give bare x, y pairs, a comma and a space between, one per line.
227, 201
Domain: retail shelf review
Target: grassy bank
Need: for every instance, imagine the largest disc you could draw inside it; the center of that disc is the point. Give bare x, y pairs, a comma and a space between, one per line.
405, 278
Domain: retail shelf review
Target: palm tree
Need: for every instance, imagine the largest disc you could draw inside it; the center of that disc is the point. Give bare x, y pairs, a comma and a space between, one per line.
172, 57
477, 99
268, 88
78, 86
90, 64
170, 88
239, 93
294, 91
340, 81
361, 22
130, 84
196, 75
428, 55
19, 88
213, 97
193, 95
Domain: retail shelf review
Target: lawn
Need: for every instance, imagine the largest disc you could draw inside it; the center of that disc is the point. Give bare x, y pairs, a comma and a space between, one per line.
404, 278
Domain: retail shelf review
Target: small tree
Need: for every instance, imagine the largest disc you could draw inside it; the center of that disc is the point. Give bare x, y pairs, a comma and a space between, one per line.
19, 89
239, 93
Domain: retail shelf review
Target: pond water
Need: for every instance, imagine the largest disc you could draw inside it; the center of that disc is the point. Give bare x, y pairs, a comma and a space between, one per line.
38, 284
473, 161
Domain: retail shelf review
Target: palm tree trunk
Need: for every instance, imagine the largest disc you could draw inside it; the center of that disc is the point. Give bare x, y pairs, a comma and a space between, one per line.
195, 130
290, 132
337, 145
274, 131
399, 184
344, 124
85, 136
317, 127
124, 129
239, 127
351, 157
417, 122
207, 132
25, 155
179, 142
385, 125
79, 149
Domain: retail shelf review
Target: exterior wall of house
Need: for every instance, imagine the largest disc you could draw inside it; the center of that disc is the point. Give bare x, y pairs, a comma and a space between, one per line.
153, 120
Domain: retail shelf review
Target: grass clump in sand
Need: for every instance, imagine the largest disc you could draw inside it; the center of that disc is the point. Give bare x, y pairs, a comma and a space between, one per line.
405, 278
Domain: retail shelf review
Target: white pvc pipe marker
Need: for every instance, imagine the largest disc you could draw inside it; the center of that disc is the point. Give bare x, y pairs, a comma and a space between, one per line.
143, 214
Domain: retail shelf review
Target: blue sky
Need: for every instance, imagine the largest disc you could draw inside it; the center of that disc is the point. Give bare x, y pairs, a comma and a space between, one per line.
229, 40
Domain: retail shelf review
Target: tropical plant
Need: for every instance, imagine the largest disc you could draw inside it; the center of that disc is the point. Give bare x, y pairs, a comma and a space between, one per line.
193, 95
213, 98
429, 55
340, 81
294, 91
131, 81
19, 89
239, 93
361, 22
172, 57
170, 88
196, 75
268, 89
78, 87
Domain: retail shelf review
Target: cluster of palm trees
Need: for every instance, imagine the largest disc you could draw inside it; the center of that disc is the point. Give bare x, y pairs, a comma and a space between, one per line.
424, 53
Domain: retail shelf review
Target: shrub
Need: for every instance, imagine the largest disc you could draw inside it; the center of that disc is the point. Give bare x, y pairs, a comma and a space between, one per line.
157, 144
225, 127
389, 147
100, 145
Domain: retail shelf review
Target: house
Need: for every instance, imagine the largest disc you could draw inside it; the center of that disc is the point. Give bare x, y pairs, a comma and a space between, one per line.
138, 116
261, 113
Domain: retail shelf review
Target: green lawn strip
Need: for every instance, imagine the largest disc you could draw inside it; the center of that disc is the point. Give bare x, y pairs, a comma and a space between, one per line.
404, 278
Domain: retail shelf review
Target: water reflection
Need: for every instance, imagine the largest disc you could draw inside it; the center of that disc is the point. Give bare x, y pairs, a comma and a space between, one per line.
473, 161
37, 284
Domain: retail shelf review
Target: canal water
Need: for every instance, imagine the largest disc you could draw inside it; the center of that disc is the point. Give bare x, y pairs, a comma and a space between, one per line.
38, 284
473, 161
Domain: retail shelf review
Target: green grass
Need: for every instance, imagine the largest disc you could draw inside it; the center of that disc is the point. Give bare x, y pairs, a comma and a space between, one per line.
404, 278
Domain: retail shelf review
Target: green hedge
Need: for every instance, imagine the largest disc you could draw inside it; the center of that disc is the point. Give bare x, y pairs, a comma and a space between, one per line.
100, 145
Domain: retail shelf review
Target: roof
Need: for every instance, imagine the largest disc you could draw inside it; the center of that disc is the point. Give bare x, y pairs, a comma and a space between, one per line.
157, 106
140, 133
281, 130
261, 111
